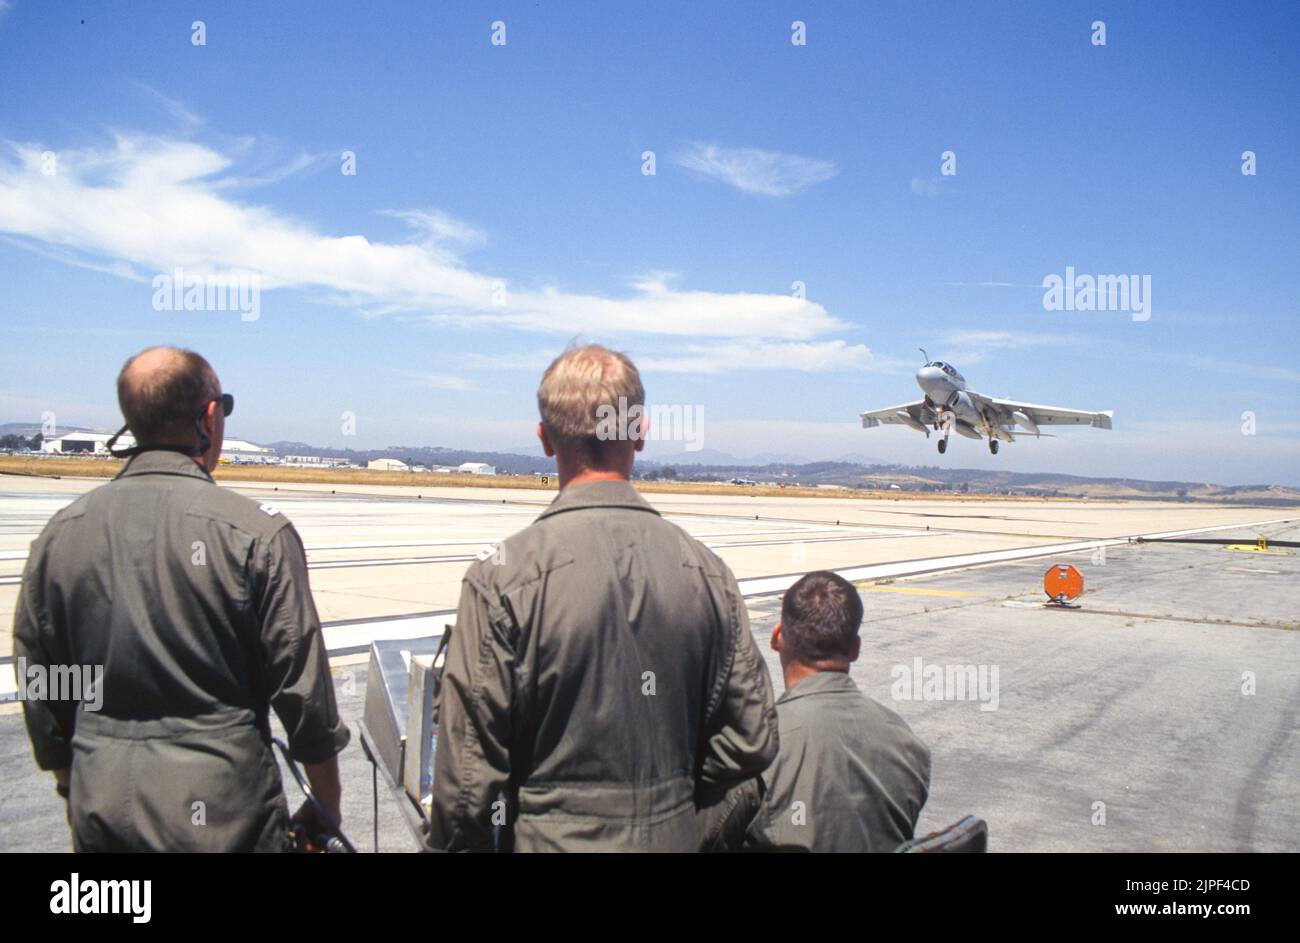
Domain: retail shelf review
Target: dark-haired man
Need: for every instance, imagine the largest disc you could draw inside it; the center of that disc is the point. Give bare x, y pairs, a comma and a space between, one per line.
850, 775
192, 607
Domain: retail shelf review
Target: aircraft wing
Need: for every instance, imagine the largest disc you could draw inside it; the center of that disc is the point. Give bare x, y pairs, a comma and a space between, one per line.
1043, 415
917, 415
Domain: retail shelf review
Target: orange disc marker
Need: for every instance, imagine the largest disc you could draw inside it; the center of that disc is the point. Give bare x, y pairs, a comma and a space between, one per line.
1062, 582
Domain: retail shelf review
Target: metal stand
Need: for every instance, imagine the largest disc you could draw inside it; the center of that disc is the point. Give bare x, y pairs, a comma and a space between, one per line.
1060, 602
412, 814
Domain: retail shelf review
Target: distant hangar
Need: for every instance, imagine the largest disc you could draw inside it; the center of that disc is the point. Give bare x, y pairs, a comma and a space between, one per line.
96, 443
466, 468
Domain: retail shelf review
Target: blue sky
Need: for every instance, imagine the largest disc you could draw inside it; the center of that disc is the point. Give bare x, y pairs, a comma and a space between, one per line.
517, 169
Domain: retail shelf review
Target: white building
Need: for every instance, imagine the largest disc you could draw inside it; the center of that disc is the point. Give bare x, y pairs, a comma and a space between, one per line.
387, 464
238, 450
477, 468
96, 443
84, 443
314, 461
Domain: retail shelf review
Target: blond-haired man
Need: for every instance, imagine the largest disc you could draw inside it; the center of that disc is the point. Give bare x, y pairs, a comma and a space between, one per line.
602, 689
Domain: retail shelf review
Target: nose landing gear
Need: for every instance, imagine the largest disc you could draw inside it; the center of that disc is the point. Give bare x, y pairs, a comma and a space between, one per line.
943, 445
993, 446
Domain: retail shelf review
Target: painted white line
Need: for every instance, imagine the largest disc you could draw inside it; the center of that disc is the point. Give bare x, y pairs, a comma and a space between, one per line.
757, 533
769, 585
392, 561
356, 634
479, 542
352, 635
465, 558
359, 634
482, 541
380, 544
803, 541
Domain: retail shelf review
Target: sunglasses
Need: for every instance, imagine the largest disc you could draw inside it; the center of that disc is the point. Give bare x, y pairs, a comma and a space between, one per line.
227, 402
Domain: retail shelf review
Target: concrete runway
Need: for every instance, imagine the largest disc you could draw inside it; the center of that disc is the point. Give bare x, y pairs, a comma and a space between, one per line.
378, 552
1135, 702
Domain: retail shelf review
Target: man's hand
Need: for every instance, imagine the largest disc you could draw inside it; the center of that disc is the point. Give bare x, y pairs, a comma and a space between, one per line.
309, 826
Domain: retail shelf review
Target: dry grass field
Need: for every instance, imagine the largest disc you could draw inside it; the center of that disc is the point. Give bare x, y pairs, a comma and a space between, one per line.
106, 468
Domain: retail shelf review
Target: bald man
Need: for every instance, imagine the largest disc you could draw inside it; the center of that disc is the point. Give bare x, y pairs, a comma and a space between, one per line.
184, 613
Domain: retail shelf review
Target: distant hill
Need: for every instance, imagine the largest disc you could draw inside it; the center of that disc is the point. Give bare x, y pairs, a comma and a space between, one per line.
983, 481
712, 465
29, 429
712, 457
510, 463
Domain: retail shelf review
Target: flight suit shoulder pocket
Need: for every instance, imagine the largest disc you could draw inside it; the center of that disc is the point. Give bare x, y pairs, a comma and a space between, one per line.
695, 555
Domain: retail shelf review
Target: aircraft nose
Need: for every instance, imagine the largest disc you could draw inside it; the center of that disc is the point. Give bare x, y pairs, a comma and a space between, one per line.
928, 374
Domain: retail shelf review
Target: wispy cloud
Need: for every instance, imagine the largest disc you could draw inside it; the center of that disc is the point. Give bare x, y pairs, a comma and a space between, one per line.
440, 228
174, 109
530, 360
727, 356
1003, 340
435, 381
929, 186
1246, 371
711, 357
973, 346
274, 169
752, 170
1037, 286
147, 204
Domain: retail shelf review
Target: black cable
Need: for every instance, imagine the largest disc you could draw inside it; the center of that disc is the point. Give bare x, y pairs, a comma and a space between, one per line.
336, 832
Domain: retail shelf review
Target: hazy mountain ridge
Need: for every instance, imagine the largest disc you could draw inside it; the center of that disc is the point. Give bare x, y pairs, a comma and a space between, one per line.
846, 474
721, 466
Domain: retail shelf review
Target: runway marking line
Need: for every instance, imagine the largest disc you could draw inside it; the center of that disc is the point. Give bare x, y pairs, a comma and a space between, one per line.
347, 638
916, 591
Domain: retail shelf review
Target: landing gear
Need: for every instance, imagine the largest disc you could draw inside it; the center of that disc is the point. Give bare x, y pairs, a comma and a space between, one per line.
943, 445
993, 446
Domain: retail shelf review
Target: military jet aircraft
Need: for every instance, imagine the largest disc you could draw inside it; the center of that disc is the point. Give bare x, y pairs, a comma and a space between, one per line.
950, 406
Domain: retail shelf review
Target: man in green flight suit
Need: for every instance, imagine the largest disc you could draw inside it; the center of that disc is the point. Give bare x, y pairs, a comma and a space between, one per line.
602, 690
190, 606
851, 776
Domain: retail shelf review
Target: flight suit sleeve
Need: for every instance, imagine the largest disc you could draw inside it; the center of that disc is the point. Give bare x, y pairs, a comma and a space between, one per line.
741, 735
295, 665
773, 826
762, 829
49, 721
472, 763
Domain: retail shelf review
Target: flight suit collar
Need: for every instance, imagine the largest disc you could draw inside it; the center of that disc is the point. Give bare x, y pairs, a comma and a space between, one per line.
823, 682
598, 494
163, 463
